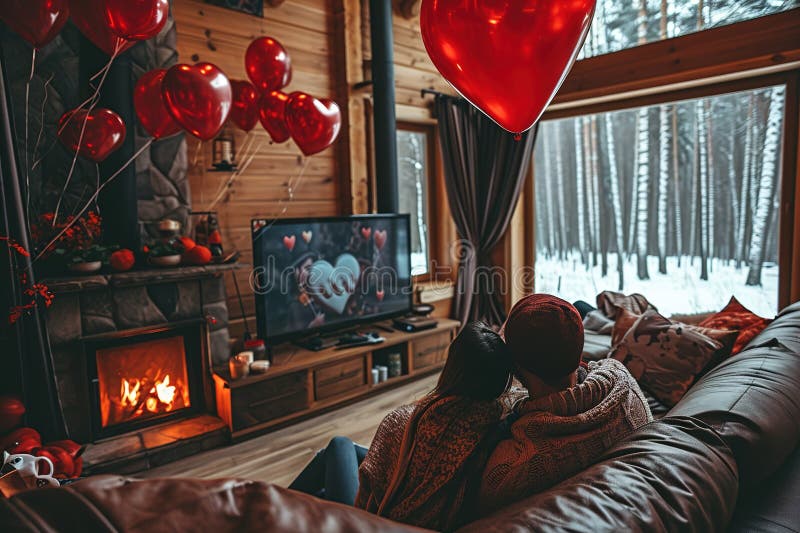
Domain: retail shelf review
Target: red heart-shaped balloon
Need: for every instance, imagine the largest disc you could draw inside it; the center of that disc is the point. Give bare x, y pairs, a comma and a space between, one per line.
103, 134
199, 98
137, 20
314, 124
91, 20
507, 57
273, 115
11, 411
268, 65
245, 112
36, 21
149, 104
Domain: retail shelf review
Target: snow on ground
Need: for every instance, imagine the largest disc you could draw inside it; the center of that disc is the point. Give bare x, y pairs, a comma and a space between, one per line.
679, 291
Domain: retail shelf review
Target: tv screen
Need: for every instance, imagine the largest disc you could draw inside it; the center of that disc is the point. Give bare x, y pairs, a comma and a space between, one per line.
328, 273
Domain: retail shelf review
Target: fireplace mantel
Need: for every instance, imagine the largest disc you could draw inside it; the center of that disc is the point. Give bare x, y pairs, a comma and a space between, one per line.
68, 284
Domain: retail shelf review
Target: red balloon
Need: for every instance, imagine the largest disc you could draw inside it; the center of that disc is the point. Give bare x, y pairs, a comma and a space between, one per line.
91, 20
104, 132
36, 21
244, 112
268, 65
199, 98
150, 108
11, 411
273, 115
314, 124
507, 57
137, 20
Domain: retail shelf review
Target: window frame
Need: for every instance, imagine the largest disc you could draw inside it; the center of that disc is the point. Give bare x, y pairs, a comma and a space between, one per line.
745, 55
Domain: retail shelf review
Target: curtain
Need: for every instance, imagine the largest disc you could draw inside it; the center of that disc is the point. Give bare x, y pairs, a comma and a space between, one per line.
484, 170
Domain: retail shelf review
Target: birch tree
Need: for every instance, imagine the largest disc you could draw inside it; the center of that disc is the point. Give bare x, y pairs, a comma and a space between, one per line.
663, 166
767, 181
579, 190
616, 205
548, 197
744, 205
643, 166
560, 185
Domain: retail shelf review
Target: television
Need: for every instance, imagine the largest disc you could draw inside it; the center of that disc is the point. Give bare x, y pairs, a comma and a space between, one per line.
317, 275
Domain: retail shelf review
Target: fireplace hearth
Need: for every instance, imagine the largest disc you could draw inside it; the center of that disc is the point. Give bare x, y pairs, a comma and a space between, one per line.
133, 354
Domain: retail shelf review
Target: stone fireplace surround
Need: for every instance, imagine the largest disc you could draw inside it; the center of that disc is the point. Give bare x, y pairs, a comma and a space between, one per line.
92, 305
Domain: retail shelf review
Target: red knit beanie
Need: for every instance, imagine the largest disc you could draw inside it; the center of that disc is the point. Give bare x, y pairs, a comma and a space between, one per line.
545, 336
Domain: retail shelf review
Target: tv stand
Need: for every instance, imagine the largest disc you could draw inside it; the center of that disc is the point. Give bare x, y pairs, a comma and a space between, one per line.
303, 383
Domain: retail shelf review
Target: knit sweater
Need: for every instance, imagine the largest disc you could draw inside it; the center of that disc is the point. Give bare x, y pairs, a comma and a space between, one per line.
557, 436
424, 465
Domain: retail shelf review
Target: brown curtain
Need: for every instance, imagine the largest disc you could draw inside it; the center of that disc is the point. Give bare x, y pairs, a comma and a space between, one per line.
484, 169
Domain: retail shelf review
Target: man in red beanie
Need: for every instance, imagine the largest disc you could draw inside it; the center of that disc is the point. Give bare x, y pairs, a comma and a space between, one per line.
571, 413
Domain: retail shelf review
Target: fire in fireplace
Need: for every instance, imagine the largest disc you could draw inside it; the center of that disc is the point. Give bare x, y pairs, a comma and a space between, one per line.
143, 377
141, 381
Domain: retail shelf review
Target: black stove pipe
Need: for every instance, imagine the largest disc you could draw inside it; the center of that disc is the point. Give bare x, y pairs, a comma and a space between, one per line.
384, 118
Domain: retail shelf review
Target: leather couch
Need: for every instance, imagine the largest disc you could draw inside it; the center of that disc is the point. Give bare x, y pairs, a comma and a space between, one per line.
725, 457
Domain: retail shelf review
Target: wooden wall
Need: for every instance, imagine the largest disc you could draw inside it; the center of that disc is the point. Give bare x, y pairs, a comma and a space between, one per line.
221, 36
329, 43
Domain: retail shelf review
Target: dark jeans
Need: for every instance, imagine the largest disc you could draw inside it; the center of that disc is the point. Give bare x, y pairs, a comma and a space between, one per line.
333, 473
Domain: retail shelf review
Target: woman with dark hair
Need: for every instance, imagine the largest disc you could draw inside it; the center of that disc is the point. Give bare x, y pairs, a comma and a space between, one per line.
423, 467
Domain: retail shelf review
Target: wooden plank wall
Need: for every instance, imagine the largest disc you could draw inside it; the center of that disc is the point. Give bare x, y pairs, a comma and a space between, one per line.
221, 36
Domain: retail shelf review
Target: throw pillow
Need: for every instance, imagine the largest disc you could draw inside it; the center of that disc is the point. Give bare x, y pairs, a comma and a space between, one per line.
735, 316
664, 356
610, 303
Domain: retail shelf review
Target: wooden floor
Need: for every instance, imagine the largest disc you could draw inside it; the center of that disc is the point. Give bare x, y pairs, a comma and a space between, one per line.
279, 456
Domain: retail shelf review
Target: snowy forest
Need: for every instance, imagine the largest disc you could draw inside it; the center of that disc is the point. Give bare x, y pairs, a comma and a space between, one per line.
677, 201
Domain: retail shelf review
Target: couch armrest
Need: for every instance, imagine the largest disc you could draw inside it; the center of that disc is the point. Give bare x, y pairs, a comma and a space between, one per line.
113, 503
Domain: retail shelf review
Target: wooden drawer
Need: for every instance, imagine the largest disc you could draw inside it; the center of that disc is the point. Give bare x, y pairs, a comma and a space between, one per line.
430, 351
340, 378
269, 399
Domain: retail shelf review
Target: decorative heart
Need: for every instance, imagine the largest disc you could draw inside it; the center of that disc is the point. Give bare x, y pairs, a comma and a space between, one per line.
307, 236
380, 295
507, 57
366, 233
36, 22
314, 124
246, 101
273, 115
199, 98
289, 242
380, 239
150, 108
333, 286
103, 134
90, 17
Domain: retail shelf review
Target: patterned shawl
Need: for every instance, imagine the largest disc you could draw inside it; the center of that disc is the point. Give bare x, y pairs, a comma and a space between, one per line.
559, 435
425, 461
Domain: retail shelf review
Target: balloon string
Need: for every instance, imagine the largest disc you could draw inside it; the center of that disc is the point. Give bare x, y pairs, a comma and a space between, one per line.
27, 128
41, 122
94, 99
92, 199
291, 189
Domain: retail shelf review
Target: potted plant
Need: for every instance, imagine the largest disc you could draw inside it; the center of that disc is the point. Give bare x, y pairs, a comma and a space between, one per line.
165, 254
85, 260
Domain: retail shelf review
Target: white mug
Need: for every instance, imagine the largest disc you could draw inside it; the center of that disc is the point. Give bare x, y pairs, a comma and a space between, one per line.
28, 468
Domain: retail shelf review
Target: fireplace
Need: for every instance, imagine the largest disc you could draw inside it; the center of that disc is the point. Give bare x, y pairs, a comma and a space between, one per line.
144, 377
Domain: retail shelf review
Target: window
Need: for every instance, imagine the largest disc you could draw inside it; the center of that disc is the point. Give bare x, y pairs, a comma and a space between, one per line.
677, 201
624, 24
415, 168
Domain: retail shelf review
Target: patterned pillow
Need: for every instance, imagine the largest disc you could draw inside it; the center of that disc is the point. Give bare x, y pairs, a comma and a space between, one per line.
735, 316
665, 357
